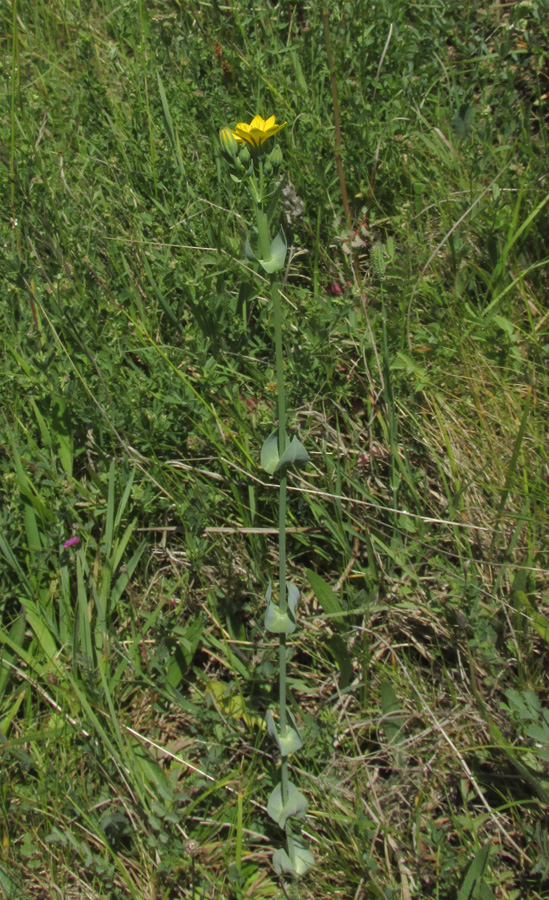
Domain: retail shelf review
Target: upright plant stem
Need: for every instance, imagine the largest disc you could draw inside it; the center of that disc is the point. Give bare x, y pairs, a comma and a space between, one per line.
277, 317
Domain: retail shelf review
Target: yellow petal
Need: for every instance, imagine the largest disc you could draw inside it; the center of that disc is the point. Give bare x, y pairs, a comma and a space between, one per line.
242, 133
257, 122
274, 130
269, 122
257, 136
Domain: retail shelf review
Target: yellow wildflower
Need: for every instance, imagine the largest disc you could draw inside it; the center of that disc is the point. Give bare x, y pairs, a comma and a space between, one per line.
258, 131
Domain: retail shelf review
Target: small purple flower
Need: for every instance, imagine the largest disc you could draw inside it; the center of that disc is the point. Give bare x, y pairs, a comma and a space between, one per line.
71, 542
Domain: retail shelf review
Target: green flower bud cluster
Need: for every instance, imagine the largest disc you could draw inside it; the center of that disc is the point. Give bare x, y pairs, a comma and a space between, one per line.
236, 155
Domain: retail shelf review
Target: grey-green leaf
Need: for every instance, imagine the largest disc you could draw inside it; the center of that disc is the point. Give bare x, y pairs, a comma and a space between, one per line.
278, 255
288, 743
304, 860
269, 453
278, 622
296, 804
294, 455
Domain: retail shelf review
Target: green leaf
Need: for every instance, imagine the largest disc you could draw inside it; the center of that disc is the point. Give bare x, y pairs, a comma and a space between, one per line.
538, 733
475, 875
277, 255
294, 455
304, 860
278, 622
269, 453
290, 741
296, 805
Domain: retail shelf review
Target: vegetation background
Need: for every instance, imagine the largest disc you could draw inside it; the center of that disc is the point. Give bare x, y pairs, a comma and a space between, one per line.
138, 385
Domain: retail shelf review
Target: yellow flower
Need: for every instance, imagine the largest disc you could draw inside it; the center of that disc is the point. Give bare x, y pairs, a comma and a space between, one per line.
258, 131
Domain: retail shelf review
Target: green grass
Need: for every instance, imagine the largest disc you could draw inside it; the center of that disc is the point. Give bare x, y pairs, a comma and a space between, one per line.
138, 384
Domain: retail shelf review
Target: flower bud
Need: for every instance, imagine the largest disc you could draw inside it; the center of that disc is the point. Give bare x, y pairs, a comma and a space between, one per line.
275, 157
229, 144
244, 156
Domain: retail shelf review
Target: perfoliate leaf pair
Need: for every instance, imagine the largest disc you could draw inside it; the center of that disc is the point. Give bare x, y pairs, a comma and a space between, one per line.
289, 742
277, 254
294, 454
278, 622
303, 860
296, 804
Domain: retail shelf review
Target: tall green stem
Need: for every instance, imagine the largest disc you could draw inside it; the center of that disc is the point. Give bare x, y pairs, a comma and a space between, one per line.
264, 238
282, 650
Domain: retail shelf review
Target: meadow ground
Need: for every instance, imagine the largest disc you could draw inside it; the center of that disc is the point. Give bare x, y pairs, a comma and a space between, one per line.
138, 385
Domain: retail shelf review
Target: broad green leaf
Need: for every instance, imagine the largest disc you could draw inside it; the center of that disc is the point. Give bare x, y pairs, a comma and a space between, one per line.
278, 622
289, 742
296, 804
294, 455
304, 860
538, 733
269, 453
278, 255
